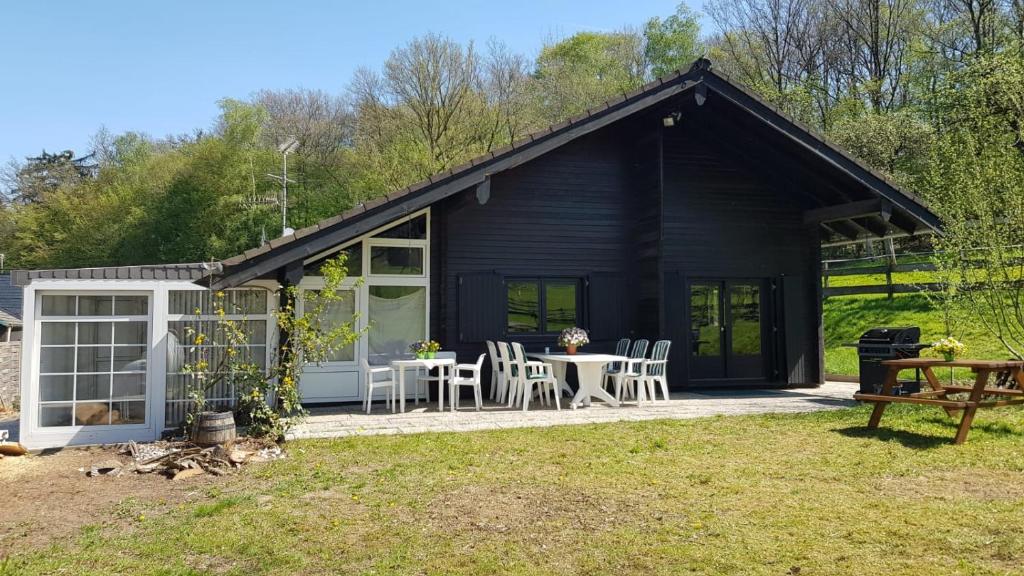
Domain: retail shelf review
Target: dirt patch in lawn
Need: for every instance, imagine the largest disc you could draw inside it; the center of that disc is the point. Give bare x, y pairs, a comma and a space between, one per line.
46, 498
977, 484
529, 509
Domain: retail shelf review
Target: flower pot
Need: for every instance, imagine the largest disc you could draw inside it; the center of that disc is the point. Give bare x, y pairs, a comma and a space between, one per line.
431, 355
948, 357
570, 349
421, 355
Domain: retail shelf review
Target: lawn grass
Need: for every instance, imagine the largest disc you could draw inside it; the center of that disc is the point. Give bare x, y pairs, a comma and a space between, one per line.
847, 317
778, 494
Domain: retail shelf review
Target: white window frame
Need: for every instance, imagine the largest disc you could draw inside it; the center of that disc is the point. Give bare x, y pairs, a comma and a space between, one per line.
75, 319
35, 435
361, 283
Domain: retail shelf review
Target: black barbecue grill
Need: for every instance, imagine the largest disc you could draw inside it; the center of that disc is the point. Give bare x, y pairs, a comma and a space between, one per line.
880, 344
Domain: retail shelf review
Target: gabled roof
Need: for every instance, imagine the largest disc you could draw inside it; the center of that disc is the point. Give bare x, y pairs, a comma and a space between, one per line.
365, 217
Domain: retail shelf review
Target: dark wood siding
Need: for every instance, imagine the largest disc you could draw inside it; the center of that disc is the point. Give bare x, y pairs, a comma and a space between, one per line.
634, 215
566, 214
727, 217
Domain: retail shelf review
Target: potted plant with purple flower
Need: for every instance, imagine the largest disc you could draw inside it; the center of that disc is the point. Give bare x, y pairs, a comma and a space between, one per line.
419, 348
573, 338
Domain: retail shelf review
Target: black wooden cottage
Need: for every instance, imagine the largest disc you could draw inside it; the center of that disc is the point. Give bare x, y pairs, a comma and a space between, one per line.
689, 210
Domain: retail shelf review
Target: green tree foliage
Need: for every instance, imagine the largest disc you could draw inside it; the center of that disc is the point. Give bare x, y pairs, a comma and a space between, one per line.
672, 43
975, 180
897, 143
586, 68
901, 83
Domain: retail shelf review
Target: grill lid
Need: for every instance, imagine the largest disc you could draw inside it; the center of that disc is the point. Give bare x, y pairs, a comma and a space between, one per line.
908, 335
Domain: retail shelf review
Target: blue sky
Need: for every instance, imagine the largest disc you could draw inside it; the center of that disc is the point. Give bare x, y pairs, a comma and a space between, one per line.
68, 68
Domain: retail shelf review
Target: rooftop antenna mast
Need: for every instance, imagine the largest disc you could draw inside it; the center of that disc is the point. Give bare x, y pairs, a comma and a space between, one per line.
290, 144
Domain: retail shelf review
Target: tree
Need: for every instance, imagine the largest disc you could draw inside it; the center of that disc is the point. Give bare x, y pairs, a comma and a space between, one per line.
673, 43
585, 69
781, 48
896, 143
435, 79
975, 180
878, 35
38, 176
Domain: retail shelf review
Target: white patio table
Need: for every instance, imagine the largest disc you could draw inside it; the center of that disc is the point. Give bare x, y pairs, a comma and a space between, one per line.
588, 370
444, 364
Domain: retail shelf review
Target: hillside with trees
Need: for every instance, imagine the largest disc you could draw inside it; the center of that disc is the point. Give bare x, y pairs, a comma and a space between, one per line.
928, 91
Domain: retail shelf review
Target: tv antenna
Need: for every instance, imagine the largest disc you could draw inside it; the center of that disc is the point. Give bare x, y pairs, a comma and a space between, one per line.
290, 144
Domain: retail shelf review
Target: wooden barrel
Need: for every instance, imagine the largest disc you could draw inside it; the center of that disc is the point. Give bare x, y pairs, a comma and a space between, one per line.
215, 428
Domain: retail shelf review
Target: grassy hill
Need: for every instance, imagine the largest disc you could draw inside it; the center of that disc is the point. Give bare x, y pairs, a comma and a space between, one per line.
847, 317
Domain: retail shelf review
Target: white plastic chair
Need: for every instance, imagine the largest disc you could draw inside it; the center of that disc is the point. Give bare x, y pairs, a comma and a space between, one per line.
371, 383
531, 373
630, 368
498, 382
473, 381
424, 379
653, 371
613, 368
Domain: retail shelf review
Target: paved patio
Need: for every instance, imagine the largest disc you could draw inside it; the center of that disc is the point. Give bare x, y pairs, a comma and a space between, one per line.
349, 420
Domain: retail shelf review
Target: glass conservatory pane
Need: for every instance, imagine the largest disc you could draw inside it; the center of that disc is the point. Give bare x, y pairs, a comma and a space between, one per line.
95, 305
129, 359
129, 386
56, 388
124, 412
130, 333
58, 305
131, 305
57, 333
56, 360
396, 260
93, 359
92, 414
55, 415
92, 387
94, 332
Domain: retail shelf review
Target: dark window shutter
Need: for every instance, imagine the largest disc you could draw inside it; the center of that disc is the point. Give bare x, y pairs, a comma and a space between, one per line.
481, 307
607, 306
795, 314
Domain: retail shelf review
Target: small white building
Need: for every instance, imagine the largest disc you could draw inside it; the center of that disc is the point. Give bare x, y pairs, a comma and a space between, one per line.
104, 348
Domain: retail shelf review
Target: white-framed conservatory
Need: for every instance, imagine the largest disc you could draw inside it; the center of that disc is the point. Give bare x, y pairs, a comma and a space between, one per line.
102, 359
389, 285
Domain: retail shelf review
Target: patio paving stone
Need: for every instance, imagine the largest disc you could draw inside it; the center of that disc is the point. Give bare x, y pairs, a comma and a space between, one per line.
351, 419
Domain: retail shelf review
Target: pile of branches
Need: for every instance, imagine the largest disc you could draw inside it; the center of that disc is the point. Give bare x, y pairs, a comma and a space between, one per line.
182, 459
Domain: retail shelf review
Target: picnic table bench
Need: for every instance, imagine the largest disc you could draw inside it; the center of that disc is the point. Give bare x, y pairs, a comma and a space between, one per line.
1010, 373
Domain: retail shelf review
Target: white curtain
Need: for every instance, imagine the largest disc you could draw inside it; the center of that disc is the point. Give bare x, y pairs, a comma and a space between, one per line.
397, 317
338, 312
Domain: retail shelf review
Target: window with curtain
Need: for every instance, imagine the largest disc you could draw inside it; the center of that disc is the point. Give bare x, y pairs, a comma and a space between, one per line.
397, 317
541, 305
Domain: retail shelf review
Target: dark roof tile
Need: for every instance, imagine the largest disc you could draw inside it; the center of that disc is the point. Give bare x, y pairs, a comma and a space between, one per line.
10, 295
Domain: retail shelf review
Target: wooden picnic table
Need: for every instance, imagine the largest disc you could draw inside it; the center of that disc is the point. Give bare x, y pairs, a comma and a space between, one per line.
1010, 372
